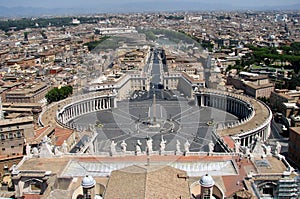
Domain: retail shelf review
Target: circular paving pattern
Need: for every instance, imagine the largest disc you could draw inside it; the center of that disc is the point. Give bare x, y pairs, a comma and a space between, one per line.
177, 120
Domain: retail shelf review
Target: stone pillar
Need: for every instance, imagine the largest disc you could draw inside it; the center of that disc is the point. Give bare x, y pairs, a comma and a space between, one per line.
267, 131
115, 102
100, 104
92, 105
69, 113
96, 105
62, 118
84, 107
77, 109
66, 114
247, 141
72, 112
196, 101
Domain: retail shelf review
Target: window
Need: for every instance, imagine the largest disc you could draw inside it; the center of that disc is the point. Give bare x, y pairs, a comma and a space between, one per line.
206, 193
268, 191
18, 134
3, 149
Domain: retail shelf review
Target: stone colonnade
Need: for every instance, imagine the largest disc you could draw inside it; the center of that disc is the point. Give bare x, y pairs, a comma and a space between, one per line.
85, 106
239, 107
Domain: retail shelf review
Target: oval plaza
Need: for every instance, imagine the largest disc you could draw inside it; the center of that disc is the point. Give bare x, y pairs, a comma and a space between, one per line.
253, 117
166, 106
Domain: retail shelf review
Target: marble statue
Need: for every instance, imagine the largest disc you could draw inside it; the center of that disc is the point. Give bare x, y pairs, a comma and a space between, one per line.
14, 169
268, 150
28, 149
64, 147
113, 147
46, 139
46, 149
138, 147
187, 146
237, 145
35, 151
123, 146
277, 148
91, 148
149, 145
211, 147
57, 151
162, 144
178, 146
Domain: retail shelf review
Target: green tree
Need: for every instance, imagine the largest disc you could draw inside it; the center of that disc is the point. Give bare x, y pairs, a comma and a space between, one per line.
57, 94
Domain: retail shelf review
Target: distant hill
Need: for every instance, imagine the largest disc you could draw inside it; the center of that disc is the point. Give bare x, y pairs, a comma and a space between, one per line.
132, 7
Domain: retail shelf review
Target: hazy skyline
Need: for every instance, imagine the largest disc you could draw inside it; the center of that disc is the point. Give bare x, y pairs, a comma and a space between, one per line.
13, 8
93, 3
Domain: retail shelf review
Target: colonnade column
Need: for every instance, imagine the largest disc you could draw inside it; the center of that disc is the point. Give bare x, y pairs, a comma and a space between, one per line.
93, 106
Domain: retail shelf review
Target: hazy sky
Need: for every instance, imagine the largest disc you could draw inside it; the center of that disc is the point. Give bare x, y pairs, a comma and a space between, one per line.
92, 3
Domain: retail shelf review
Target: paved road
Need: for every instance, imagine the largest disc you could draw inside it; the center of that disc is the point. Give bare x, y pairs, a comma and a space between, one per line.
156, 76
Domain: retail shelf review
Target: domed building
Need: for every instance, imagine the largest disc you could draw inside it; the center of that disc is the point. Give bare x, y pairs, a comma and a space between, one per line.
206, 183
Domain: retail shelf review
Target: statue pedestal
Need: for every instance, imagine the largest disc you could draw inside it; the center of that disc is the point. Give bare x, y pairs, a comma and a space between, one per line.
154, 125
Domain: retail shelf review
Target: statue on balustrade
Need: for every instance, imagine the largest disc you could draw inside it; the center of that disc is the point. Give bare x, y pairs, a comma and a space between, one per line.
138, 147
187, 146
123, 146
178, 150
162, 144
237, 145
149, 148
28, 150
211, 147
64, 147
113, 147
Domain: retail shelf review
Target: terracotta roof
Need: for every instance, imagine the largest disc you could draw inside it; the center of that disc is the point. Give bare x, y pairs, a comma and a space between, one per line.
229, 141
148, 182
32, 196
233, 183
40, 133
61, 135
